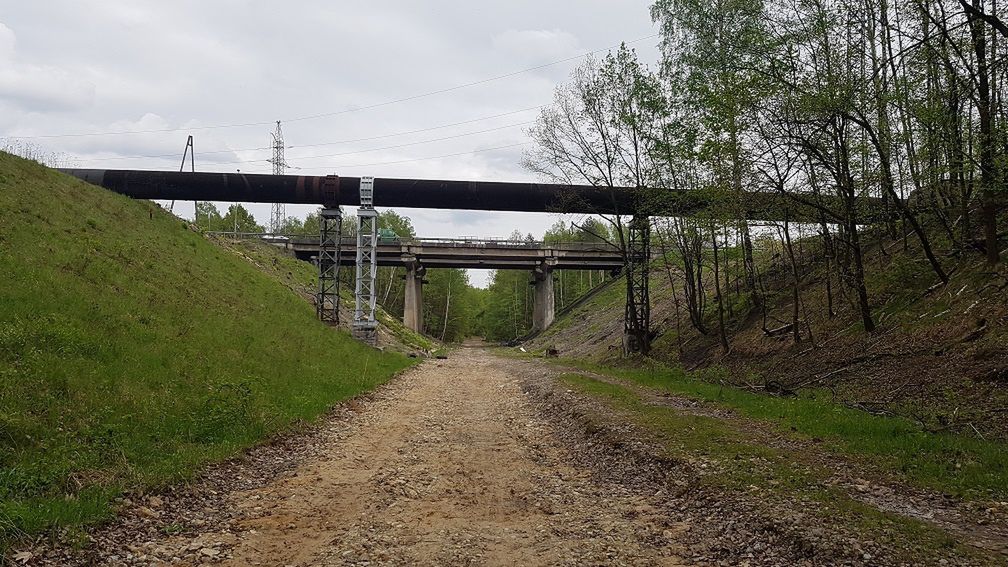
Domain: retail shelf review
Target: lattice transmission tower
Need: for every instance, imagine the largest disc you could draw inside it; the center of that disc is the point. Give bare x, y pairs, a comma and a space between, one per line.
280, 166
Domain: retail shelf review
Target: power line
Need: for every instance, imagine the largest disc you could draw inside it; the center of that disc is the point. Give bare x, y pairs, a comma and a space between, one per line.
346, 111
420, 159
417, 143
467, 85
334, 143
417, 131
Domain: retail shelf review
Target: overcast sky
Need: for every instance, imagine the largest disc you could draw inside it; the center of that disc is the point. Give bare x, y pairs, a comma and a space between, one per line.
79, 67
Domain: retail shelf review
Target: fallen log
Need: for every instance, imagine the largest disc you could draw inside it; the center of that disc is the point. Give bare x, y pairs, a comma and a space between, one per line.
779, 330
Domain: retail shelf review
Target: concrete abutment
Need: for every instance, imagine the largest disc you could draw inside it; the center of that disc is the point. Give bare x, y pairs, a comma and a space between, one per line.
544, 305
413, 303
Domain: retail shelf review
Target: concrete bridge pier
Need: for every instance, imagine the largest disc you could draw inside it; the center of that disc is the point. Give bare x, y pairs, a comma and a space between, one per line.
413, 303
543, 306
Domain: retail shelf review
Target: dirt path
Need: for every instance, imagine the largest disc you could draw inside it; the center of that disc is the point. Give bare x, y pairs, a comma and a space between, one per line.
487, 460
450, 465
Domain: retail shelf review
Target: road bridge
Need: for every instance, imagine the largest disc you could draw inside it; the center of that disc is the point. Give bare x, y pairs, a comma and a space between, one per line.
416, 255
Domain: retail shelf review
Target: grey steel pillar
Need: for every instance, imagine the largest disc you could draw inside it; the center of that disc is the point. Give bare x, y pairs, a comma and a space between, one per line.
364, 326
543, 306
413, 304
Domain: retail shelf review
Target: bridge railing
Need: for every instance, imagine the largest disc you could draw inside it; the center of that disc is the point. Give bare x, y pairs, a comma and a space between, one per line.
463, 242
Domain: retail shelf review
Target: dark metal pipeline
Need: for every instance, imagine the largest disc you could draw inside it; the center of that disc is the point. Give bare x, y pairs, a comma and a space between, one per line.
332, 190
439, 194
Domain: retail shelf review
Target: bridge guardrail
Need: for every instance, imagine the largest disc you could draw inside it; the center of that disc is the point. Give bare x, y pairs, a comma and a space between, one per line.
464, 242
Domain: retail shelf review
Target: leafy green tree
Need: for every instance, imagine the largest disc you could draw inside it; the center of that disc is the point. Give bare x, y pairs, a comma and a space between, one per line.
507, 306
450, 304
390, 280
312, 224
569, 285
711, 52
208, 217
292, 225
239, 219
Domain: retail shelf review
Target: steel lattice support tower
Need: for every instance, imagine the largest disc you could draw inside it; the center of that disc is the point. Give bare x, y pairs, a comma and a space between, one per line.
365, 297
278, 211
330, 235
330, 240
637, 317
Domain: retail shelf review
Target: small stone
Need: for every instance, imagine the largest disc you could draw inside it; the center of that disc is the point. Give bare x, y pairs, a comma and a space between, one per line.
209, 552
147, 512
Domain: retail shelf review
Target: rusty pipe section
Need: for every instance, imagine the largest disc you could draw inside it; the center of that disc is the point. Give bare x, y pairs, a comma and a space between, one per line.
332, 190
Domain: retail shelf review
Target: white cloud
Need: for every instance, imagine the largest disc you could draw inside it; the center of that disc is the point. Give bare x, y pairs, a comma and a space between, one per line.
538, 46
39, 88
8, 42
98, 66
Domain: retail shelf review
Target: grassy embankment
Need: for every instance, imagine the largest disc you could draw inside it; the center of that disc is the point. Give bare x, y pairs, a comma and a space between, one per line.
960, 464
302, 278
741, 458
132, 351
955, 464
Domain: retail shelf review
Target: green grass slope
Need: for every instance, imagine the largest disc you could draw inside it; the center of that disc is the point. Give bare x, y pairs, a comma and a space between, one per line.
302, 278
132, 350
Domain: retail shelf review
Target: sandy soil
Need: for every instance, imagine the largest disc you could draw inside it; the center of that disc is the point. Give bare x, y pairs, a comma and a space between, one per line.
450, 465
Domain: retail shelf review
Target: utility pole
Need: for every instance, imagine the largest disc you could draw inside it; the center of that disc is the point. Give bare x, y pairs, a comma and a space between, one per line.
279, 167
190, 152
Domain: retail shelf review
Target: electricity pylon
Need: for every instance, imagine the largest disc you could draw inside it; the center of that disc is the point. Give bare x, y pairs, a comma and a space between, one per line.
278, 211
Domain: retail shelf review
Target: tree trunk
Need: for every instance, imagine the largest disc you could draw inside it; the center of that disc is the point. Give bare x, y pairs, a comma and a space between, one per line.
447, 302
743, 224
795, 299
722, 335
987, 173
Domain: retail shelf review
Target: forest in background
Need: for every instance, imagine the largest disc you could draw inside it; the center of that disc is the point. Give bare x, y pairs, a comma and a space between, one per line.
862, 123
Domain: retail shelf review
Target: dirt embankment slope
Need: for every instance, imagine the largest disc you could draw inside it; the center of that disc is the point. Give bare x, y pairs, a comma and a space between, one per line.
939, 357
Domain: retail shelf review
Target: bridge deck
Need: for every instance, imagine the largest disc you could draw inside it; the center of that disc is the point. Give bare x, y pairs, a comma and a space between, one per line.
462, 253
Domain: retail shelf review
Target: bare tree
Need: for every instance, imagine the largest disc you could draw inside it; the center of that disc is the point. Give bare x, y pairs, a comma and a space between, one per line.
598, 131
